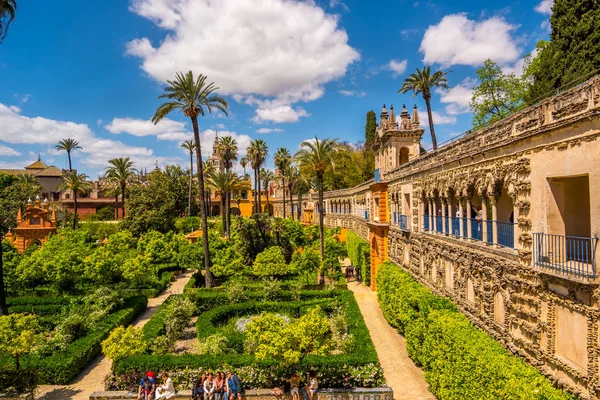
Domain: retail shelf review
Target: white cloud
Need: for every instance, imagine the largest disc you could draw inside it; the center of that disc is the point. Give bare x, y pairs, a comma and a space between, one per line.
99, 122
8, 151
269, 130
220, 126
458, 97
289, 49
349, 93
438, 119
167, 129
283, 113
96, 152
397, 67
457, 40
545, 7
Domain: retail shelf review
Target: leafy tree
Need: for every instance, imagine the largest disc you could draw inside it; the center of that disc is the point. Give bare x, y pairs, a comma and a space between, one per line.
306, 262
227, 148
283, 159
68, 145
122, 172
316, 157
370, 127
10, 259
224, 183
156, 203
8, 9
257, 153
497, 95
77, 183
124, 342
252, 236
193, 97
178, 313
213, 345
18, 334
334, 250
574, 49
14, 193
267, 177
190, 146
422, 81
139, 272
270, 262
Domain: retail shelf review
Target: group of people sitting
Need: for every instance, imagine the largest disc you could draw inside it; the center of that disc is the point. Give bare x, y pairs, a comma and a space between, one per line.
217, 386
226, 386
299, 388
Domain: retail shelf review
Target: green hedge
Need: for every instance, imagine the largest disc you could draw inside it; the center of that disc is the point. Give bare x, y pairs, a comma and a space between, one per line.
360, 255
38, 301
38, 310
63, 366
460, 361
360, 368
163, 283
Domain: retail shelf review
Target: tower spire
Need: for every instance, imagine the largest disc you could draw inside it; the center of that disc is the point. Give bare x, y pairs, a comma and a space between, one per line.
416, 123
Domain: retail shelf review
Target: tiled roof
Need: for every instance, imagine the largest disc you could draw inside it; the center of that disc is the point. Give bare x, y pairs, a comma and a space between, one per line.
50, 171
37, 165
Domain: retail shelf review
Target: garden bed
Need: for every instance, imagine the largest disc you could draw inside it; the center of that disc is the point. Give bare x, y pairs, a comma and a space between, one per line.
357, 368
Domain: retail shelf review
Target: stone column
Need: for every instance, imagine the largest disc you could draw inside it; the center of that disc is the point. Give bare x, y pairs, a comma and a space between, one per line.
494, 219
517, 230
450, 216
484, 214
469, 226
442, 200
461, 209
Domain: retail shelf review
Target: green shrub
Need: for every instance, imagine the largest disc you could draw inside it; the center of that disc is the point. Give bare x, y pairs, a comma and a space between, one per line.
123, 342
213, 345
360, 255
460, 361
270, 262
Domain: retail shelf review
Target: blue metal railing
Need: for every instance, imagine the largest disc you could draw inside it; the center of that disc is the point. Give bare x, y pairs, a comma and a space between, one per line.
438, 223
395, 217
376, 177
447, 231
456, 226
425, 222
403, 221
506, 234
566, 255
366, 215
490, 232
476, 229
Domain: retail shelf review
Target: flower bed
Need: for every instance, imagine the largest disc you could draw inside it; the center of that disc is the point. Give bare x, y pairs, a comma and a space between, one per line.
358, 368
61, 367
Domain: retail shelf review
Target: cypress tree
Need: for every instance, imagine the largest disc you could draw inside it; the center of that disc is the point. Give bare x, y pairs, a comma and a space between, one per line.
370, 127
574, 49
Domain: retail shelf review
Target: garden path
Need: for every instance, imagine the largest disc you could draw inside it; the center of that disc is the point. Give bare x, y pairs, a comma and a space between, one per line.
91, 378
401, 374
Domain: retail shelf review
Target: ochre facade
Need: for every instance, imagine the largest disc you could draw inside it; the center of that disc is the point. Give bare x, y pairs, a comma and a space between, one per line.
34, 226
504, 221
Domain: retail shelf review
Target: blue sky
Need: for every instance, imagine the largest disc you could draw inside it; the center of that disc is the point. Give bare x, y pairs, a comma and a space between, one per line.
289, 69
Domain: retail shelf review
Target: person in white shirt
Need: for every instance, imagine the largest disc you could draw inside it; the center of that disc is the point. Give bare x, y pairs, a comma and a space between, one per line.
166, 390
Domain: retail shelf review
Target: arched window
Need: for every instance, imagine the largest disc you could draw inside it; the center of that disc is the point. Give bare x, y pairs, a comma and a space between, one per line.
403, 156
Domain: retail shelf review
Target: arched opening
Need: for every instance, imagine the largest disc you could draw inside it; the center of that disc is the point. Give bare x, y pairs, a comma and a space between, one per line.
32, 244
505, 220
269, 209
235, 211
215, 210
244, 195
403, 156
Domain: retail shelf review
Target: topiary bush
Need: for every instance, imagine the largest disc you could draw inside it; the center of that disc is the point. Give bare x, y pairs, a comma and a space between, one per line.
359, 253
459, 360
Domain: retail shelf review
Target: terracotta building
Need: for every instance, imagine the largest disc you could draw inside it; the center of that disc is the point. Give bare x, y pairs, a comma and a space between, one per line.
503, 221
34, 226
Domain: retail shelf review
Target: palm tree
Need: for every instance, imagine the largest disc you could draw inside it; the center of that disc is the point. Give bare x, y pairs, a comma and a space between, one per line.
267, 177
223, 183
282, 160
422, 81
243, 163
316, 157
8, 9
227, 149
190, 146
208, 168
67, 145
121, 171
257, 152
77, 183
193, 97
292, 174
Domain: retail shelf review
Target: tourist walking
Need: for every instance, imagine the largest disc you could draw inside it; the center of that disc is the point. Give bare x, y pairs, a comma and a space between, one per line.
167, 389
198, 390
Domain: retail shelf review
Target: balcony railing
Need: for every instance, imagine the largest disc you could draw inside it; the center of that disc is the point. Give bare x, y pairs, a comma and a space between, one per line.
476, 229
366, 215
425, 222
403, 222
506, 234
438, 223
569, 256
456, 226
377, 176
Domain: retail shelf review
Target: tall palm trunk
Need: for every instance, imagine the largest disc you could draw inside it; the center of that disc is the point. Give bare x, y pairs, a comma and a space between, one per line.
75, 209
116, 206
321, 230
207, 274
258, 187
433, 139
283, 184
3, 306
123, 187
191, 183
69, 157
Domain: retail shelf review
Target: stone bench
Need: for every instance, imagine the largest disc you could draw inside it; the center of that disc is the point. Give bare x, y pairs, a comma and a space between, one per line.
383, 393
